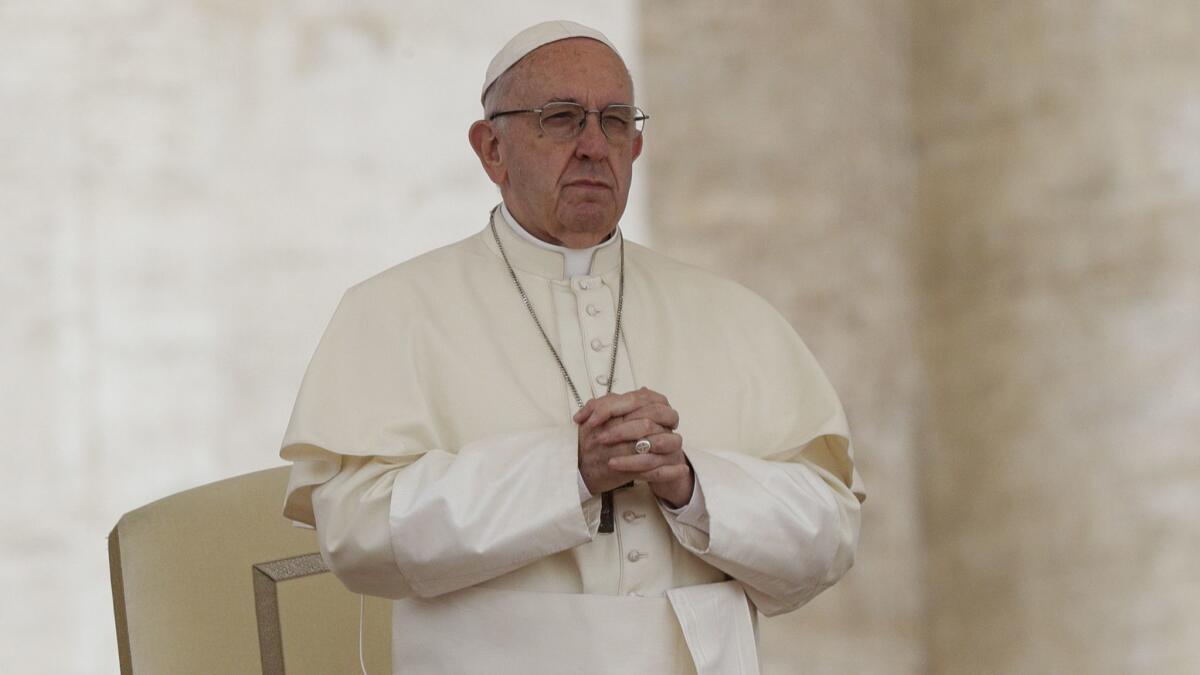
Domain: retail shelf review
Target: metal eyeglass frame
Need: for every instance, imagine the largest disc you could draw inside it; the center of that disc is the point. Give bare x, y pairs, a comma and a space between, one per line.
639, 118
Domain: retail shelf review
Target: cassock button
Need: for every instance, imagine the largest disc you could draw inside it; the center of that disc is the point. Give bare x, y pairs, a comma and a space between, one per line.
636, 555
602, 380
598, 345
592, 311
631, 516
583, 285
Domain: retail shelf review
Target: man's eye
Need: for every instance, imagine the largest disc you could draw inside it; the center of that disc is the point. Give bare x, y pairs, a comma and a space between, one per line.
559, 118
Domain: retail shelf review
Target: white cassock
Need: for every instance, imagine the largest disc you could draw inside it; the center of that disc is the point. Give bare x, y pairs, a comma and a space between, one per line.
434, 450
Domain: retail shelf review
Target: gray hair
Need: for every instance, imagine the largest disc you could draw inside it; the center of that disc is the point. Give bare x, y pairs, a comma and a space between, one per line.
497, 93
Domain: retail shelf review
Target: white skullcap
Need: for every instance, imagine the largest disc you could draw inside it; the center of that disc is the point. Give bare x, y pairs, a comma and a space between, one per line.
533, 37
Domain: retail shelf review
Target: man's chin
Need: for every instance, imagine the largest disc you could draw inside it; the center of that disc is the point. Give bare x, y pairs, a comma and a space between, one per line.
589, 218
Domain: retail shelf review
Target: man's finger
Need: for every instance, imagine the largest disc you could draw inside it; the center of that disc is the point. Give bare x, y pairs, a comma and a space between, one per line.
613, 405
662, 442
637, 463
665, 443
582, 416
588, 408
629, 430
665, 473
662, 413
583, 413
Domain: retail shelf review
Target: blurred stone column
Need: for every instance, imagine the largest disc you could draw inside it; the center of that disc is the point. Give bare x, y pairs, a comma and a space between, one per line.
779, 154
1060, 192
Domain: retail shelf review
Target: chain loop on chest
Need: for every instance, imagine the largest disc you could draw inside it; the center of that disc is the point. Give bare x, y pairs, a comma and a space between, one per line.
616, 341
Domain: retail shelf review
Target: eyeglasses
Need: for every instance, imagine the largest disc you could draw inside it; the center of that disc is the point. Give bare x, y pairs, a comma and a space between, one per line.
564, 120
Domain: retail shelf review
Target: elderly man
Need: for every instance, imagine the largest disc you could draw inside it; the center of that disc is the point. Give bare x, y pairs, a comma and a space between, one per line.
558, 451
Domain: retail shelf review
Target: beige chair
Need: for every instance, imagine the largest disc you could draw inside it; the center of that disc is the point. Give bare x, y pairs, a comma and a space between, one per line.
213, 580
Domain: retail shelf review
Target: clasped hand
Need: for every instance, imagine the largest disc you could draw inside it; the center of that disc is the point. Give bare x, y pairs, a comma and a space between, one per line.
608, 428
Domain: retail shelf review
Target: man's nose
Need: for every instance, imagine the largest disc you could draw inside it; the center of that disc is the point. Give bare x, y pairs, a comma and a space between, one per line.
591, 142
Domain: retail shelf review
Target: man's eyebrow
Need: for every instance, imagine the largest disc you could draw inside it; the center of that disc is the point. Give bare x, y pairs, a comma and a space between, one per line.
572, 99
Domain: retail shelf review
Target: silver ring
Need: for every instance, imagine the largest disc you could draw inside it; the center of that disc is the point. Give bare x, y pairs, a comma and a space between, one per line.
642, 446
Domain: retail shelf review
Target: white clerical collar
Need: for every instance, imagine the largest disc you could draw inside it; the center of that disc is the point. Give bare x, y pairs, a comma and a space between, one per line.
577, 261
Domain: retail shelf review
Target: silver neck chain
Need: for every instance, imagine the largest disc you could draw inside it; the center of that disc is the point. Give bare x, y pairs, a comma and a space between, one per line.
612, 363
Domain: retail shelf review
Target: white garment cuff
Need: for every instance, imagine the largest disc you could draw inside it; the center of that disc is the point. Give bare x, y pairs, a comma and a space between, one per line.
695, 512
584, 493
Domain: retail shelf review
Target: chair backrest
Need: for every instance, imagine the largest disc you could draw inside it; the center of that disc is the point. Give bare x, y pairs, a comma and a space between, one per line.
215, 580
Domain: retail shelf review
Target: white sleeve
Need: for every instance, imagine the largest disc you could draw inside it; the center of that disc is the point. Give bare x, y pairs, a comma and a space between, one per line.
397, 527
584, 493
786, 529
693, 513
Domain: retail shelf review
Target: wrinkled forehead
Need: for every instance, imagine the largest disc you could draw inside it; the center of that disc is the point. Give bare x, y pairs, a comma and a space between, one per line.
572, 48
570, 69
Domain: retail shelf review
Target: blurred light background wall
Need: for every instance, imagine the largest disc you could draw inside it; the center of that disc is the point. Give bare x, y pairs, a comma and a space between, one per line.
981, 216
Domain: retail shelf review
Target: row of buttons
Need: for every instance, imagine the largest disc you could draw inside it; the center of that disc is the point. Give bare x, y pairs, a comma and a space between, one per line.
600, 346
634, 555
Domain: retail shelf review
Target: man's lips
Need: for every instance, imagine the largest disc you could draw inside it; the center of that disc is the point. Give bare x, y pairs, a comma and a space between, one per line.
592, 184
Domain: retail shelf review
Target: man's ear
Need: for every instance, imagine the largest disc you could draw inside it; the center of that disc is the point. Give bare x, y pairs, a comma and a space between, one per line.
637, 146
486, 145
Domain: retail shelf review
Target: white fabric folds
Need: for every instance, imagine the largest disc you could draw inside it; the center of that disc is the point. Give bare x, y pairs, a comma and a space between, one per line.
515, 633
432, 447
717, 647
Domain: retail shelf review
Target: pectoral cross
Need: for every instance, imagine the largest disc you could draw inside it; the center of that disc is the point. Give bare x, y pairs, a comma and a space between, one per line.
606, 509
